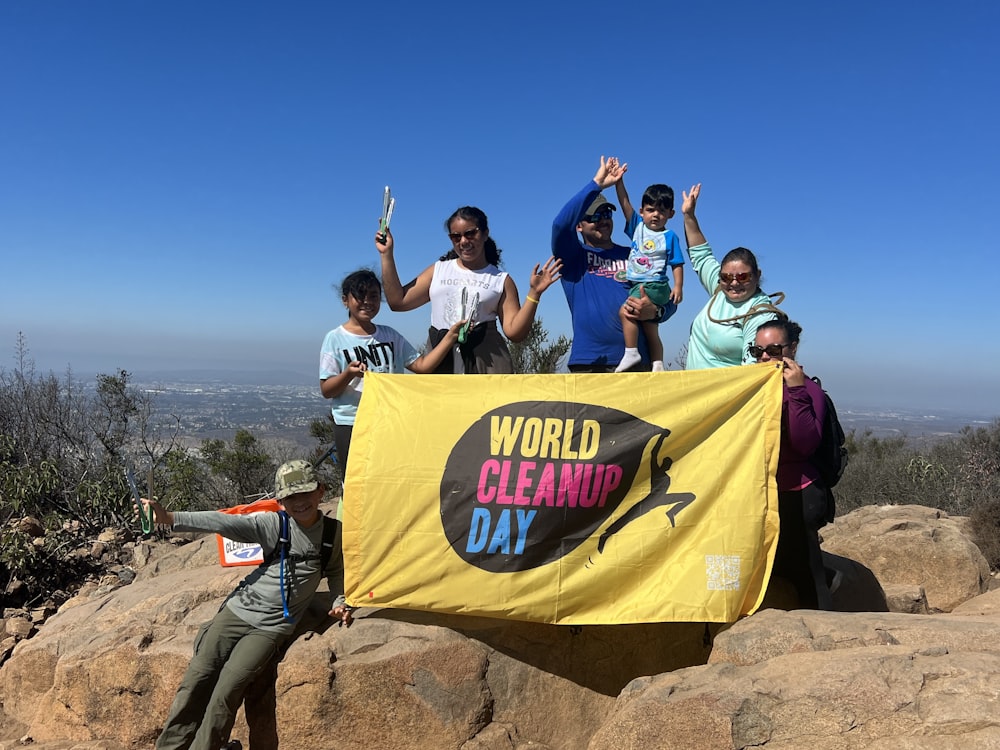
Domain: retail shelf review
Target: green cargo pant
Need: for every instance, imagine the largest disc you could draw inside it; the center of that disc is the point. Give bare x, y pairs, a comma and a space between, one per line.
228, 655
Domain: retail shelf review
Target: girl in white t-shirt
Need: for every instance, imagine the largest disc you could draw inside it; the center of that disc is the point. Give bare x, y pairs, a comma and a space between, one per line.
360, 345
467, 278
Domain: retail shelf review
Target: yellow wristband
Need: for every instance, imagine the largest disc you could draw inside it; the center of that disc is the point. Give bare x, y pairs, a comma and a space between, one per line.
531, 299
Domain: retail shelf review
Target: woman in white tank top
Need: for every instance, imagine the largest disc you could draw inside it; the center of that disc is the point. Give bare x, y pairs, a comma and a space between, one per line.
467, 282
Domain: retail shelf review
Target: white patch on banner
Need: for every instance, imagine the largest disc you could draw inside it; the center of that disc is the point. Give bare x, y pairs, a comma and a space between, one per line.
722, 572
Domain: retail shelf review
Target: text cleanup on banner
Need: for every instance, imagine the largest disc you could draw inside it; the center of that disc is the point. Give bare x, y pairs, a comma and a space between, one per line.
573, 499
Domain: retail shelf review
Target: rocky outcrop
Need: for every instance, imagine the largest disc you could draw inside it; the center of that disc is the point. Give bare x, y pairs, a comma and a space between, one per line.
101, 673
102, 562
912, 549
107, 667
827, 681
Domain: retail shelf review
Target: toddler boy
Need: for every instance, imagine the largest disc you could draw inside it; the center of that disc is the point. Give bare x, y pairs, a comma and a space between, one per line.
655, 256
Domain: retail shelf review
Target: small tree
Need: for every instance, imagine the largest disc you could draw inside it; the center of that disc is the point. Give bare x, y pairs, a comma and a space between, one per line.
245, 465
679, 362
61, 461
534, 354
330, 471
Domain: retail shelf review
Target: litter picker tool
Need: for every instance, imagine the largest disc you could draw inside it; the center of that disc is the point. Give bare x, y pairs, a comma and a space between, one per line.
468, 313
145, 513
388, 204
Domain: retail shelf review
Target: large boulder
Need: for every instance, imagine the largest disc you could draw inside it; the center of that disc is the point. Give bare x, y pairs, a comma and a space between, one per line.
106, 668
913, 547
827, 681
774, 633
886, 698
102, 672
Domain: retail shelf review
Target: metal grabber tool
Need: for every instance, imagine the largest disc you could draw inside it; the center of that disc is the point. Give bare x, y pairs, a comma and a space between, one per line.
468, 313
145, 514
388, 204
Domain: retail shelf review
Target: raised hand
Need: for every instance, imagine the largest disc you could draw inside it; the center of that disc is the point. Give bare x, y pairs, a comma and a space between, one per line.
610, 172
690, 200
542, 277
384, 244
616, 169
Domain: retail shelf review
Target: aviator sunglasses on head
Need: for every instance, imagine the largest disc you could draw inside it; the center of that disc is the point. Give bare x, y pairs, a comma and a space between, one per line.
740, 278
468, 234
773, 350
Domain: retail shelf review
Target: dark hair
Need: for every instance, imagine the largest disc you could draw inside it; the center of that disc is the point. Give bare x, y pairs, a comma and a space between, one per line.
792, 329
477, 217
659, 196
743, 255
358, 283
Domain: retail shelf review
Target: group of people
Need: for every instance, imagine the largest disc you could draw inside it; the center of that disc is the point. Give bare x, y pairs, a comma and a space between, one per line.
739, 324
617, 297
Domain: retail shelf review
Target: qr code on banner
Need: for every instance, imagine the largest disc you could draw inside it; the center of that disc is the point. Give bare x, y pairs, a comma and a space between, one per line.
722, 572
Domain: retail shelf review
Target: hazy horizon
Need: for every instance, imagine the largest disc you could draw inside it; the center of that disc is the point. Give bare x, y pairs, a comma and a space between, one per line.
185, 183
279, 373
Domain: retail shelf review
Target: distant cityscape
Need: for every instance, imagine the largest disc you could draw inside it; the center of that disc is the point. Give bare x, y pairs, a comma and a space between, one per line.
211, 406
282, 406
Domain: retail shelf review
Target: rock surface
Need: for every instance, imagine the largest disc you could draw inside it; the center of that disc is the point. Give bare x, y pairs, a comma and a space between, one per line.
100, 674
912, 546
107, 667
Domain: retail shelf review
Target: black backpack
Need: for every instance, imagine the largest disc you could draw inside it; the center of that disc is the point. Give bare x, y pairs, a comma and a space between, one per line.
831, 456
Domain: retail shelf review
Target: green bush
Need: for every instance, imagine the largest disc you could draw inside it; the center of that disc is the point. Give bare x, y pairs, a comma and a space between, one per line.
535, 354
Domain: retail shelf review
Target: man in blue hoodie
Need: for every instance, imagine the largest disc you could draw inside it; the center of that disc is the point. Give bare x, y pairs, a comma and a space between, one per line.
593, 277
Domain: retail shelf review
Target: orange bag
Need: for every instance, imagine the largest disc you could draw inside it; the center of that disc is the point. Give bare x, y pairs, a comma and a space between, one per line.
233, 553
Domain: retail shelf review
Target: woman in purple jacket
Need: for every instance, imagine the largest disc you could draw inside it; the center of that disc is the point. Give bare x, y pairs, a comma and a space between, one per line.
802, 496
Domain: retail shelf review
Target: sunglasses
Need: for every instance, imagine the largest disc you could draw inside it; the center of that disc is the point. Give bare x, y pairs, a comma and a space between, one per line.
740, 278
773, 350
598, 216
456, 237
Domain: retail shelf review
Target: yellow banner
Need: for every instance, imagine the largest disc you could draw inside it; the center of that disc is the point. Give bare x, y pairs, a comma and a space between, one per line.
574, 499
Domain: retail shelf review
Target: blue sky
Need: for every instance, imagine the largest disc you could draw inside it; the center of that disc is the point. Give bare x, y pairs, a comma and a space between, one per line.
182, 183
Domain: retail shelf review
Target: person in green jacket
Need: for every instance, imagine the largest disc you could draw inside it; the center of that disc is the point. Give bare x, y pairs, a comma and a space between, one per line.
724, 329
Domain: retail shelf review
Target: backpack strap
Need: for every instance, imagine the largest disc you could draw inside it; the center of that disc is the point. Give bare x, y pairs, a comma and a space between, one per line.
326, 545
284, 548
326, 550
284, 540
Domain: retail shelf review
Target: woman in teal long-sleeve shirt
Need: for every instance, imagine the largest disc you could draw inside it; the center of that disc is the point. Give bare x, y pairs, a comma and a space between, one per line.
723, 330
